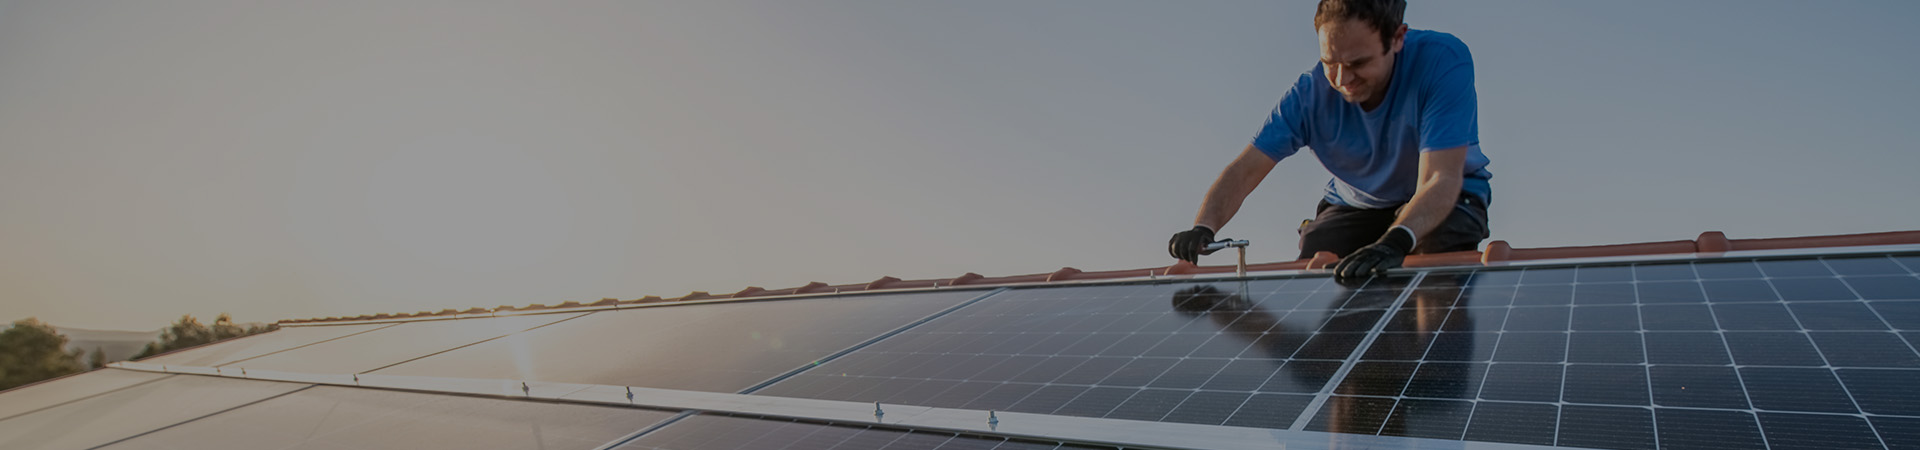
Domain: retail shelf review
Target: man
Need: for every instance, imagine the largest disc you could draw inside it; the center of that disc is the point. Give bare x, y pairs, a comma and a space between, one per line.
1392, 114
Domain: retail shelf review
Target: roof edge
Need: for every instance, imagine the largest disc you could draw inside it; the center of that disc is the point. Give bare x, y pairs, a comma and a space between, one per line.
1496, 252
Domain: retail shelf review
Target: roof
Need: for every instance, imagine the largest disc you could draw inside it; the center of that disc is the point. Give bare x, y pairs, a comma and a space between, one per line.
1804, 342
1497, 252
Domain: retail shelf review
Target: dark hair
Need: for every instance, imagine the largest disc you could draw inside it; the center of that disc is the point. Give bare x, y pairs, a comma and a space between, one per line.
1385, 15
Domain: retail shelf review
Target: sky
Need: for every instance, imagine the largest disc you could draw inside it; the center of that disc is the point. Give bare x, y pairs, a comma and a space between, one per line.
279, 160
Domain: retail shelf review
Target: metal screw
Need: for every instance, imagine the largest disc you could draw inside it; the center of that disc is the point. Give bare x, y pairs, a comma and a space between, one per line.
629, 394
356, 379
876, 410
992, 419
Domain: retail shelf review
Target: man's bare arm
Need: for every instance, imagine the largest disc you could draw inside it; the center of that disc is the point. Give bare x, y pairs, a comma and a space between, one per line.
1433, 199
1439, 189
1231, 189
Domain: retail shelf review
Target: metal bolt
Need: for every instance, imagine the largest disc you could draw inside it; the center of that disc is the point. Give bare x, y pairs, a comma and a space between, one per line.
876, 410
992, 419
629, 394
1241, 245
1241, 270
526, 390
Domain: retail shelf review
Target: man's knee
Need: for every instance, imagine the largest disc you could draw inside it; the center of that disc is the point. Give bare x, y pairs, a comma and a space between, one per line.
1342, 229
1336, 243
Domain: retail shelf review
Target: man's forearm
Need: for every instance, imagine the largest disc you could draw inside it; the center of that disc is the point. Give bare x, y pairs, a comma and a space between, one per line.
1230, 190
1431, 204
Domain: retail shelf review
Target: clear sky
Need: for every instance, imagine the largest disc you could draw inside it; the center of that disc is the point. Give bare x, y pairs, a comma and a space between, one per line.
299, 159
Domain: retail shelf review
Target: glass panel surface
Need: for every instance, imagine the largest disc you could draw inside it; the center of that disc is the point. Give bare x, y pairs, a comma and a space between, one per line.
1718, 353
128, 412
372, 350
23, 399
713, 432
241, 349
1227, 353
720, 347
327, 417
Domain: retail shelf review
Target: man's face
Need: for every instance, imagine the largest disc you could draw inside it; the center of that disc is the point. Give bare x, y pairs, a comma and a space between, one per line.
1357, 64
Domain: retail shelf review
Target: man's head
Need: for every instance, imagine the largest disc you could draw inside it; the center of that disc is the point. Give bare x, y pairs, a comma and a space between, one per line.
1358, 42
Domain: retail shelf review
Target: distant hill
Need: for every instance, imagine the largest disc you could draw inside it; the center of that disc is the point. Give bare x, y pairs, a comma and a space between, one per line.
118, 345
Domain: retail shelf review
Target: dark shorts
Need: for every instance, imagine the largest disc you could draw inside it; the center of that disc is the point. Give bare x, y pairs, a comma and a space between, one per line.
1343, 229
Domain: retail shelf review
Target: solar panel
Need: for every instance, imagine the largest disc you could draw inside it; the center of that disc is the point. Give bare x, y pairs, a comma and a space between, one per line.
719, 347
719, 432
344, 417
131, 411
1243, 354
241, 349
26, 399
1790, 353
1777, 352
384, 347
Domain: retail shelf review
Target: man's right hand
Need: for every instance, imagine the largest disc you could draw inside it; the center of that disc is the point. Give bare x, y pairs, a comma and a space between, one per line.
1189, 245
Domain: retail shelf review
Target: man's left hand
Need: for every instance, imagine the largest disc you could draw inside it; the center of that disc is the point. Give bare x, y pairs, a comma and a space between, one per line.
1387, 253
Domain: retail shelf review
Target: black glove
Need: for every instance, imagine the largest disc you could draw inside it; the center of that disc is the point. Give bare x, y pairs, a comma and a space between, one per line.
1386, 253
1189, 245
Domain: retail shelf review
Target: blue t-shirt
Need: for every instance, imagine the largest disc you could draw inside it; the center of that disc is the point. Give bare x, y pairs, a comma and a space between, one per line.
1375, 155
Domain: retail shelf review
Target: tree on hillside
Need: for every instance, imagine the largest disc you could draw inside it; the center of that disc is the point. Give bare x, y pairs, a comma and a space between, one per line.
32, 351
189, 332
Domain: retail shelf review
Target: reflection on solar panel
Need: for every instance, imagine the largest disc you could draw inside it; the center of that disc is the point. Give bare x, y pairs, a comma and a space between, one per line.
1786, 353
27, 399
132, 411
372, 350
258, 345
340, 417
712, 432
1776, 352
1243, 354
723, 347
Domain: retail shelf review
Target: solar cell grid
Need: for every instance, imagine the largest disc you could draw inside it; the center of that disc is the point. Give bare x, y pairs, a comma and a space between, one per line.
1716, 354
1248, 353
